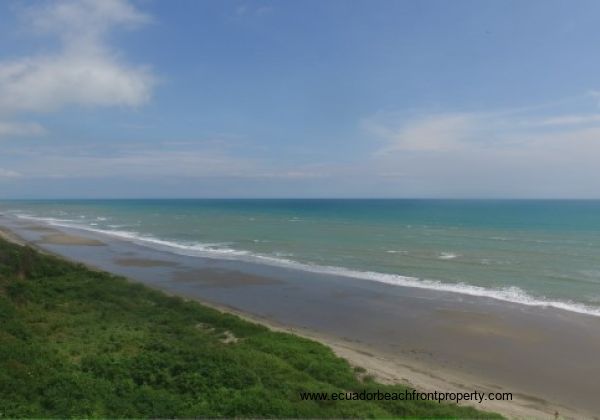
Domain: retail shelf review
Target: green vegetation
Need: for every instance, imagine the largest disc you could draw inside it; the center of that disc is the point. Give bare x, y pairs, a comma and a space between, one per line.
81, 343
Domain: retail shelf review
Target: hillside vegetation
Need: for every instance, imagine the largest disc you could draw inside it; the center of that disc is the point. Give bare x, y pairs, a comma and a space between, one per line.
81, 343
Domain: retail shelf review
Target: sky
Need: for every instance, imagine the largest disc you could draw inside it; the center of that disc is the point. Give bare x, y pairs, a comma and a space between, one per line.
238, 98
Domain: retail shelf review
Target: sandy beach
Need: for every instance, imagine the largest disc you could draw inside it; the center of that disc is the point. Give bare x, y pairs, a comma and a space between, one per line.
433, 341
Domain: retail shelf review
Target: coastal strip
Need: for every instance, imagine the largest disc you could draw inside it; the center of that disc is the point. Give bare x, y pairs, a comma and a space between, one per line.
413, 368
81, 343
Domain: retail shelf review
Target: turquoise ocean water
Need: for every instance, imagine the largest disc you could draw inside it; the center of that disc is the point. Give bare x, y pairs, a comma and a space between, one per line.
544, 253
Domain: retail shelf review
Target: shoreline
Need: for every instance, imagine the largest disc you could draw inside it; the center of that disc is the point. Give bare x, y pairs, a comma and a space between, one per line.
388, 369
82, 343
510, 295
383, 366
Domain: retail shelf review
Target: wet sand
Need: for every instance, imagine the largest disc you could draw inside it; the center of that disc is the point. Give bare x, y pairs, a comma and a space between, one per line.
64, 239
221, 278
143, 262
9, 236
37, 228
548, 358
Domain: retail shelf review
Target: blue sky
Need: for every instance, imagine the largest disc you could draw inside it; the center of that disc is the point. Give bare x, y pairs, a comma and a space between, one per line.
150, 98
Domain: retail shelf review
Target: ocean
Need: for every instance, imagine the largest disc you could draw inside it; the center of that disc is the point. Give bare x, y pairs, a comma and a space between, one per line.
532, 252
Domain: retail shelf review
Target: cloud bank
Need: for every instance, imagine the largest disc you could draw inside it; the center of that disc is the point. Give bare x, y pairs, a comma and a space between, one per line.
496, 154
84, 71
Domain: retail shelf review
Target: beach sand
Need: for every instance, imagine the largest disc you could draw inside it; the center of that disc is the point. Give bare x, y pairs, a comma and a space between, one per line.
430, 341
396, 369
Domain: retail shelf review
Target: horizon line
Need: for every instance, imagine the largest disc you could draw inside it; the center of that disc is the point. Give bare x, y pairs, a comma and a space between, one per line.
309, 198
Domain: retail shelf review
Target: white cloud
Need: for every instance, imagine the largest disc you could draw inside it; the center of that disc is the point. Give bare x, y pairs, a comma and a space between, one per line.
85, 70
7, 173
494, 154
77, 21
200, 159
256, 11
432, 133
11, 129
563, 120
50, 83
594, 93
451, 132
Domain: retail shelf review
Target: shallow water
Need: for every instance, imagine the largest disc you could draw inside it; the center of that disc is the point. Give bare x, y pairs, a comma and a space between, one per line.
532, 252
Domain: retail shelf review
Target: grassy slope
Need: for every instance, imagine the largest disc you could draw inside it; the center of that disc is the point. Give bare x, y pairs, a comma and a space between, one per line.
75, 342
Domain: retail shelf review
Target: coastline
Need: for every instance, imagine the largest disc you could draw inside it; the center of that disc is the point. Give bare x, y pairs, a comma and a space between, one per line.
460, 279
10, 236
394, 369
385, 366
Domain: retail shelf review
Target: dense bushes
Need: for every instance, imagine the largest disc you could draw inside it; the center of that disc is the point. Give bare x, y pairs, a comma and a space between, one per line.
80, 343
